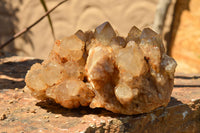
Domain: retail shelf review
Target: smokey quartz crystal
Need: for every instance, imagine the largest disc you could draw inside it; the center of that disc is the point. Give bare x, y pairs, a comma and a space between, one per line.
101, 69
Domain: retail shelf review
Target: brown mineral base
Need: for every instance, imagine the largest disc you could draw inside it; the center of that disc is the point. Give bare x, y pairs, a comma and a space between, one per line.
101, 69
21, 113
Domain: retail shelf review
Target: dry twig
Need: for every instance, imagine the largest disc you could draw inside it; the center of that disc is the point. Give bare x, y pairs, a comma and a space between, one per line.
29, 27
49, 18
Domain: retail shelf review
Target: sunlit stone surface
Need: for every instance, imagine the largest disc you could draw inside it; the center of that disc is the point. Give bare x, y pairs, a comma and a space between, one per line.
100, 69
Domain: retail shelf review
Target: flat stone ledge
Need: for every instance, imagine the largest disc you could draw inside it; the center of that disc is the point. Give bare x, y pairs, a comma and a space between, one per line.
19, 112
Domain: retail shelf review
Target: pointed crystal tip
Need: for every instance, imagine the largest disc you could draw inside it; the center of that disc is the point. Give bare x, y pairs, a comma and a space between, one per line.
104, 33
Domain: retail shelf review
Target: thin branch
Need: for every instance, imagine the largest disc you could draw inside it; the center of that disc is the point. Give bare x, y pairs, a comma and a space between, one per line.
49, 18
28, 28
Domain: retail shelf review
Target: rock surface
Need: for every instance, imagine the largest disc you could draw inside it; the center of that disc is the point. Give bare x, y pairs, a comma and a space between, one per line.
66, 20
130, 75
185, 36
20, 112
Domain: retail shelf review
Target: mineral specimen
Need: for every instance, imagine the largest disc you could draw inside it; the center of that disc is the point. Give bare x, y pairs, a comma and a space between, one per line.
100, 69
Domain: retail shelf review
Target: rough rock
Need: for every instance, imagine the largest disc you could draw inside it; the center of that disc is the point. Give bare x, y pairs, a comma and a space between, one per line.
185, 41
67, 19
20, 112
129, 75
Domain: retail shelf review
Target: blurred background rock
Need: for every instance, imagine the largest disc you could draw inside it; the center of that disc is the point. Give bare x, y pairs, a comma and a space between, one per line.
176, 20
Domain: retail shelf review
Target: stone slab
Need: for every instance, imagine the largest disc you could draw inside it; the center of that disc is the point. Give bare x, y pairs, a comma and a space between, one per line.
19, 112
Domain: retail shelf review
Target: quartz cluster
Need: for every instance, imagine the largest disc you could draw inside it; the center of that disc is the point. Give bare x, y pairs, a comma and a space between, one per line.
101, 69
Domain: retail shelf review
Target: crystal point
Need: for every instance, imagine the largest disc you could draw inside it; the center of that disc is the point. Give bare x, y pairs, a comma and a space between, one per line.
104, 33
134, 35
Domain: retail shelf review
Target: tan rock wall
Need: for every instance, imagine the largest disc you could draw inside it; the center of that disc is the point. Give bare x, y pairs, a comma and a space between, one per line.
186, 36
67, 19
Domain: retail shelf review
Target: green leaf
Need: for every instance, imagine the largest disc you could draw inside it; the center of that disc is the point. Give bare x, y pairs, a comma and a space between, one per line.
49, 18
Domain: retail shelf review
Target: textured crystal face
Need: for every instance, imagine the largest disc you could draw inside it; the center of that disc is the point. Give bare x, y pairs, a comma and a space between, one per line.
99, 69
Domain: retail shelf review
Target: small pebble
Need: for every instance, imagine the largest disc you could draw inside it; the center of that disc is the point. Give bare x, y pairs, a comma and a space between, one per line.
92, 125
82, 121
56, 116
47, 120
33, 110
46, 117
11, 101
102, 122
3, 117
193, 100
